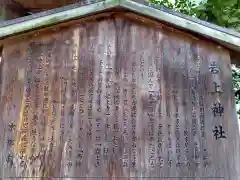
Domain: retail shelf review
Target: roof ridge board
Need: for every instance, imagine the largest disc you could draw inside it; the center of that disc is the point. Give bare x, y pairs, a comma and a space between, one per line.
89, 7
49, 12
190, 18
58, 16
142, 2
185, 24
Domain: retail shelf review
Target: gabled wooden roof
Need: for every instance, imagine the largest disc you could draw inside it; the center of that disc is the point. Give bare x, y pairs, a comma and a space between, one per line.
225, 37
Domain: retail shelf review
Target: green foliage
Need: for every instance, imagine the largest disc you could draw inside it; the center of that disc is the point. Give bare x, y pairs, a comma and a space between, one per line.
236, 85
224, 13
183, 6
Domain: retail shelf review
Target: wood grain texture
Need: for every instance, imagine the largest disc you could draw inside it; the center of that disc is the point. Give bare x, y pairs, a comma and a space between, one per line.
116, 98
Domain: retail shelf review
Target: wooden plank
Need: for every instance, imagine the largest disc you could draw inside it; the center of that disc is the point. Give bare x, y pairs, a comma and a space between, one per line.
223, 36
210, 31
50, 18
113, 98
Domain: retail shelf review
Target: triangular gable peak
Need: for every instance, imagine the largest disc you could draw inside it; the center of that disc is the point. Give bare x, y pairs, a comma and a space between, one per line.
223, 36
86, 8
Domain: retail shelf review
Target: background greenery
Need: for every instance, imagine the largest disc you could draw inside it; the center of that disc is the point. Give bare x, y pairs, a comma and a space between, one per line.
224, 13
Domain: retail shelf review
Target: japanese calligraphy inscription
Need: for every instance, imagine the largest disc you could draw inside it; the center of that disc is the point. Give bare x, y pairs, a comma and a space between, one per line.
114, 98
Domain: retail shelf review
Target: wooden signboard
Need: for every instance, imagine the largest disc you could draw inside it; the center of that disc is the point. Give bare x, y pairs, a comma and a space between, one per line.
115, 98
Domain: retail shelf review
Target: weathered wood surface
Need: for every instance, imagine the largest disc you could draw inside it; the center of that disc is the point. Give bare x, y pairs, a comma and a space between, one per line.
9, 10
116, 98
